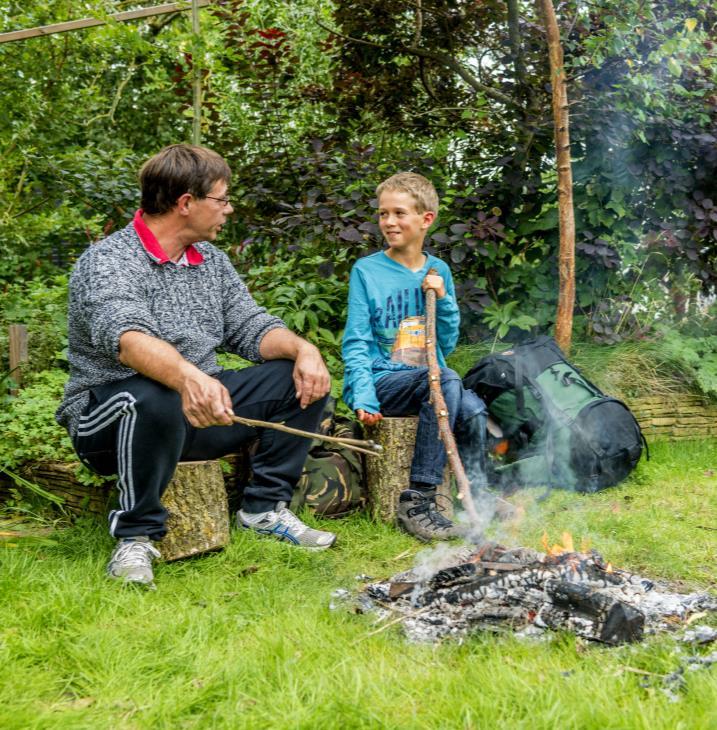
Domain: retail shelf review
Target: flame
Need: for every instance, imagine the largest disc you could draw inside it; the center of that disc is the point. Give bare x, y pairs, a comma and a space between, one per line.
501, 448
609, 568
567, 545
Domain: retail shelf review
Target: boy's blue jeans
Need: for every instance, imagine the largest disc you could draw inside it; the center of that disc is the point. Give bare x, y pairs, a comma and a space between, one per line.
406, 393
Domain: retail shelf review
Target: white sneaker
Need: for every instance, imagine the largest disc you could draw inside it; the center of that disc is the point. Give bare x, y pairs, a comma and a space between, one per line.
131, 560
285, 525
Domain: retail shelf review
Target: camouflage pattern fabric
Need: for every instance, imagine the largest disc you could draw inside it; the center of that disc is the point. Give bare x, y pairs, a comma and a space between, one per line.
332, 484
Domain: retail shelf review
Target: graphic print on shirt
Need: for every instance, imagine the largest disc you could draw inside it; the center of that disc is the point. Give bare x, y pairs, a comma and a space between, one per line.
397, 320
409, 347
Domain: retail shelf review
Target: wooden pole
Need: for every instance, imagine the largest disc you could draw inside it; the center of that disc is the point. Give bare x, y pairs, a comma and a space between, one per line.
439, 406
17, 338
566, 217
19, 35
197, 83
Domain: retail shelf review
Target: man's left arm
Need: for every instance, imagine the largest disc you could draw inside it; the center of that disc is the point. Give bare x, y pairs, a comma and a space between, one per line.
311, 377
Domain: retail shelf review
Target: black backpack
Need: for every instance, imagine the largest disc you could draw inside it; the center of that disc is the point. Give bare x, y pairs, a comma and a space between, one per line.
563, 430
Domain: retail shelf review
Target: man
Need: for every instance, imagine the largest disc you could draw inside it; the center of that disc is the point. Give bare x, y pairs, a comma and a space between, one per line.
149, 306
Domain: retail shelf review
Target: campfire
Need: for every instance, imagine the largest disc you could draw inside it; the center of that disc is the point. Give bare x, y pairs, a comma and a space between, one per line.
528, 591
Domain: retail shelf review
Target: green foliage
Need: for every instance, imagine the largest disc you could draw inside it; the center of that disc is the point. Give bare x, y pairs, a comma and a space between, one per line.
41, 305
28, 431
310, 297
696, 357
311, 122
501, 319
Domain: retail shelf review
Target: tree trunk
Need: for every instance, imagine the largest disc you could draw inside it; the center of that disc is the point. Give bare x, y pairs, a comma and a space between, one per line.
566, 254
196, 500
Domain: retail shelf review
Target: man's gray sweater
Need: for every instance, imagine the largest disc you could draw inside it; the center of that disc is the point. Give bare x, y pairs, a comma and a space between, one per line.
117, 286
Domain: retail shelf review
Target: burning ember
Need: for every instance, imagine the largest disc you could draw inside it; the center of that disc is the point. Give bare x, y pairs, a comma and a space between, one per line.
532, 591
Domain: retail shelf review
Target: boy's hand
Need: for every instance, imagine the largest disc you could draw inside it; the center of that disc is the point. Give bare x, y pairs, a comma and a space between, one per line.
369, 419
435, 282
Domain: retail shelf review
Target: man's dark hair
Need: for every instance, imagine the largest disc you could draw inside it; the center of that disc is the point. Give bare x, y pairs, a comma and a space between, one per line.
179, 169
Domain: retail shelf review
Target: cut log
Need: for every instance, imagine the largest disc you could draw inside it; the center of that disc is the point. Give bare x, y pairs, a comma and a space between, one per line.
388, 476
196, 500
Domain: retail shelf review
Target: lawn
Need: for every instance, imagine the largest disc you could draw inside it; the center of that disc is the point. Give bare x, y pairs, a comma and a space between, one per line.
246, 639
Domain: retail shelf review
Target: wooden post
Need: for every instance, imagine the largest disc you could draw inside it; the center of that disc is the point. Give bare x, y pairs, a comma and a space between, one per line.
387, 477
17, 338
566, 216
197, 71
72, 25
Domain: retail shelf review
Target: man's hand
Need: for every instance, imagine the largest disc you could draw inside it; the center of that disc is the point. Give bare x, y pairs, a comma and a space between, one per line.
433, 281
311, 377
205, 401
368, 419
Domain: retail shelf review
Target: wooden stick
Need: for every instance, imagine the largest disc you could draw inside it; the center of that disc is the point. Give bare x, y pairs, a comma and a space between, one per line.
439, 406
362, 447
17, 341
70, 25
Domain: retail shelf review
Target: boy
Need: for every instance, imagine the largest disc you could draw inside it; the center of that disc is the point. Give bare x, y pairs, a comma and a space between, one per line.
384, 353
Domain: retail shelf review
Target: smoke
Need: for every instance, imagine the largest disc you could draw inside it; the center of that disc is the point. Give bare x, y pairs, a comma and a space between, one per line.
430, 560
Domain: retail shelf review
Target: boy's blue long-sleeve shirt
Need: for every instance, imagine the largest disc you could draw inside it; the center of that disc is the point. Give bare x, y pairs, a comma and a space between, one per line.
382, 293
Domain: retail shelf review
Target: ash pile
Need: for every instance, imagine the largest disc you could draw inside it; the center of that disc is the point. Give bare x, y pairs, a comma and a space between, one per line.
527, 591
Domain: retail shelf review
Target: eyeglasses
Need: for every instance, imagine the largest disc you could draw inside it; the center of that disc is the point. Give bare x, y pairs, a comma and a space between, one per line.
223, 201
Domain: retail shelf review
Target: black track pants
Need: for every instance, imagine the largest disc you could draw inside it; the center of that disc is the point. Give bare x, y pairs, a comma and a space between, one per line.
135, 428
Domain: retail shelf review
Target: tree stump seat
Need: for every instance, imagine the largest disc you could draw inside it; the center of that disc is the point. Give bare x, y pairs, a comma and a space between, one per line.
388, 476
198, 520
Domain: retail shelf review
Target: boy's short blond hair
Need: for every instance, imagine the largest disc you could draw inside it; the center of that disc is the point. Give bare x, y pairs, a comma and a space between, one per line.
417, 186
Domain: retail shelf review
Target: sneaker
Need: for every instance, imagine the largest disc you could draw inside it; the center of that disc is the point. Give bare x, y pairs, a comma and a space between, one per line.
285, 525
131, 560
418, 515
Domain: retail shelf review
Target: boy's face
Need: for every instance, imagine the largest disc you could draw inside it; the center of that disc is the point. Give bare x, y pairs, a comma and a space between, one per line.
402, 225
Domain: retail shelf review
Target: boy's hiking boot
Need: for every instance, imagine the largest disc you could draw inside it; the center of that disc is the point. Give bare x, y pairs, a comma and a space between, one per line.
419, 516
131, 560
283, 524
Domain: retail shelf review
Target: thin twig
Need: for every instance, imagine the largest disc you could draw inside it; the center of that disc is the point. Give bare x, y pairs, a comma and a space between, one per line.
441, 58
362, 447
393, 622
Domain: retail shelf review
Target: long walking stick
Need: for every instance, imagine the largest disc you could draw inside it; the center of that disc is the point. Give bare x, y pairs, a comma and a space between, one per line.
439, 406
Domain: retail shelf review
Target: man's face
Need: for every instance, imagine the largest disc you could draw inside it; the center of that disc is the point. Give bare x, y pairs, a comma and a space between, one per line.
401, 224
209, 214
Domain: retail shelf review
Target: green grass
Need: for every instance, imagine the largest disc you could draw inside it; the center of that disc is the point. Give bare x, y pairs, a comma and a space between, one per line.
221, 645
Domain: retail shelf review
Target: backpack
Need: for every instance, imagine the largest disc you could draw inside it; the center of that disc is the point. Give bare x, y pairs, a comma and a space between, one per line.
562, 429
332, 483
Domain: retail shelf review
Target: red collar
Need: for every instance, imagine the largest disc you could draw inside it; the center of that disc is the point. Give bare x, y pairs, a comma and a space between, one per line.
152, 247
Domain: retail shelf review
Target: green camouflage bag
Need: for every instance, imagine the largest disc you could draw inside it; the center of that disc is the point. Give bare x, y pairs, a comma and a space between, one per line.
332, 483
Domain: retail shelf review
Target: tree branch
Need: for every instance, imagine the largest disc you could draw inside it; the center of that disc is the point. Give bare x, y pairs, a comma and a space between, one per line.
515, 40
441, 58
419, 23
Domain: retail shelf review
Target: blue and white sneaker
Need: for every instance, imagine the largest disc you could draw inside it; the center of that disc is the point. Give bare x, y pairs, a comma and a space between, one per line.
283, 524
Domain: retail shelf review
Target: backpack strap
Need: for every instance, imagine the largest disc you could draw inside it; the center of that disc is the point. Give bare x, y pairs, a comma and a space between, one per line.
519, 397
